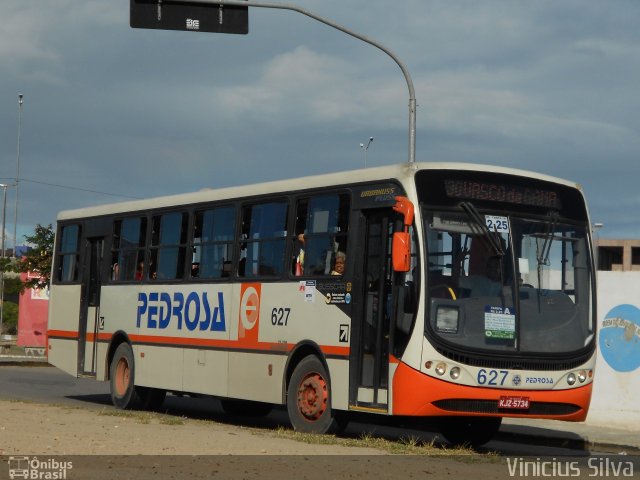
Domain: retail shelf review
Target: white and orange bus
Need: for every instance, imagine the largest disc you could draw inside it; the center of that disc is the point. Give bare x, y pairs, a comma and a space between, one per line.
457, 291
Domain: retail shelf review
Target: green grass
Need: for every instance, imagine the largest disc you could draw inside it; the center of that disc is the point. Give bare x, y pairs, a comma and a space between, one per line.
404, 446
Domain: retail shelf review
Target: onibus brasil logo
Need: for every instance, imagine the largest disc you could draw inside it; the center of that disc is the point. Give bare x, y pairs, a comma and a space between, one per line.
36, 469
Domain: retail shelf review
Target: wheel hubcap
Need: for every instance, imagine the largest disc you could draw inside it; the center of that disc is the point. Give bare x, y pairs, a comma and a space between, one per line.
122, 377
312, 396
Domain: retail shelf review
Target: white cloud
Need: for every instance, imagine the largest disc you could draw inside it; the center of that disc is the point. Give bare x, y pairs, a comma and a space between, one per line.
304, 86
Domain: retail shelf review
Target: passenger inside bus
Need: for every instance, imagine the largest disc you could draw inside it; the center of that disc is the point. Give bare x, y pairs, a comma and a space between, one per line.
487, 284
338, 266
298, 255
139, 271
485, 276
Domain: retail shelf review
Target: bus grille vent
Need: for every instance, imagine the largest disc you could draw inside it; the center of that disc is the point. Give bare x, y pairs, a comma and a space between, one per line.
491, 406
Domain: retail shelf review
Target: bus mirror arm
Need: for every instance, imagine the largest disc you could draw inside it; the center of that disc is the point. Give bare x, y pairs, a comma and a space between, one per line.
405, 207
401, 247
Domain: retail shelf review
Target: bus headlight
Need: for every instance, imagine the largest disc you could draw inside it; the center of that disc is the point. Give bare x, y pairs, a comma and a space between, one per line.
454, 373
571, 378
582, 376
441, 368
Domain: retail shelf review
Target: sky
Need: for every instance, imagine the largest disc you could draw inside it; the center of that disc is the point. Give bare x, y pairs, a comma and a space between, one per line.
112, 113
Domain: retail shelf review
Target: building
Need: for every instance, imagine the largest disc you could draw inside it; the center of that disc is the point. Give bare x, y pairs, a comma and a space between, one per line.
617, 382
618, 255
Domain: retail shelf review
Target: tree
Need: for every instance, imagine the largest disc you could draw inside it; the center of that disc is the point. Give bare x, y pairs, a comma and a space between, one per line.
39, 258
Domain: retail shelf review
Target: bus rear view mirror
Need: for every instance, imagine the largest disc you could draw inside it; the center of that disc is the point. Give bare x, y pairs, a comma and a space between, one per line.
401, 252
401, 247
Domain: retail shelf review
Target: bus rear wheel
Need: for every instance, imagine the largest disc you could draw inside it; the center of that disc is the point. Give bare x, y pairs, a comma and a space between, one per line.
474, 431
309, 398
124, 393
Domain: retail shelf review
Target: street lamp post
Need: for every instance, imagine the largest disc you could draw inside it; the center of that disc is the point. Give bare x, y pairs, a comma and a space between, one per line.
15, 217
2, 251
366, 148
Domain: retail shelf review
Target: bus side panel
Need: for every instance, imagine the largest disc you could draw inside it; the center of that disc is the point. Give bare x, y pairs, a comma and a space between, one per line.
254, 376
102, 367
63, 327
159, 367
288, 314
205, 371
63, 353
339, 373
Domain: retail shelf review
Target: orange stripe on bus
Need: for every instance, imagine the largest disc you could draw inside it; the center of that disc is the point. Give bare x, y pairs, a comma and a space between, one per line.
91, 337
414, 394
62, 334
200, 342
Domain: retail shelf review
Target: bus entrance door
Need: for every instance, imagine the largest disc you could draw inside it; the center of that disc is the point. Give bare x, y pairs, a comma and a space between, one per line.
90, 307
369, 371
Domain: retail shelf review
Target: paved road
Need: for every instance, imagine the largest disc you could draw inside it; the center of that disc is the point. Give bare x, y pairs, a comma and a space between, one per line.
43, 384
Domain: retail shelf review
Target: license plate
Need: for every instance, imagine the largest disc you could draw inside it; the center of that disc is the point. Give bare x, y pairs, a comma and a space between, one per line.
514, 403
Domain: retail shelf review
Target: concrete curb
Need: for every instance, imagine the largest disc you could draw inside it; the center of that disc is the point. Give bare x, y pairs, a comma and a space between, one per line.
567, 440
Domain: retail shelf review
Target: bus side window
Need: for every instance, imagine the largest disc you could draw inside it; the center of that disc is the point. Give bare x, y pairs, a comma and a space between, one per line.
129, 236
263, 239
321, 229
168, 246
213, 237
68, 253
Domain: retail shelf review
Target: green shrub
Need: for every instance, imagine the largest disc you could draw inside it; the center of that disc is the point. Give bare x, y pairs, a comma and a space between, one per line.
10, 318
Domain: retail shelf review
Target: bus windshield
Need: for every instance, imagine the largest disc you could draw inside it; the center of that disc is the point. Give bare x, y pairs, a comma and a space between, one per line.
510, 284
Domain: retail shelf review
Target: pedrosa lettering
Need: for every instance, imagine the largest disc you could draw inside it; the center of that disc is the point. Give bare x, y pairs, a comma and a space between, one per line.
193, 311
539, 380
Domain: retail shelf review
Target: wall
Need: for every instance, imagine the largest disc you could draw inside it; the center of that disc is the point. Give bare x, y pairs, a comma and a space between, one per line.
616, 393
32, 317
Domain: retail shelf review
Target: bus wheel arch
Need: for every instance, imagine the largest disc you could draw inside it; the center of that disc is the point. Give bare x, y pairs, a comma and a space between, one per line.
308, 388
125, 394
122, 377
299, 352
117, 338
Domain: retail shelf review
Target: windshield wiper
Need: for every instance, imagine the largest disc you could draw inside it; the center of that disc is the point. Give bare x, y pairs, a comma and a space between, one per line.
479, 227
548, 235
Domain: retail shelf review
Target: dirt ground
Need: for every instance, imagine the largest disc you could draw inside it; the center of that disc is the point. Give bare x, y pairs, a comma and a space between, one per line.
101, 444
35, 429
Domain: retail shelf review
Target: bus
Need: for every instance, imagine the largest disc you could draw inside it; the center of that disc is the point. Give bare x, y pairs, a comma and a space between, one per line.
454, 292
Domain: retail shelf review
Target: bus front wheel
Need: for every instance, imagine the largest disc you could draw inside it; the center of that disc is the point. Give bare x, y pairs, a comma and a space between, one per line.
309, 398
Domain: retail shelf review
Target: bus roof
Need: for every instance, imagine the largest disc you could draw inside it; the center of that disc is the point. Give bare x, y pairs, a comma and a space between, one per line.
401, 172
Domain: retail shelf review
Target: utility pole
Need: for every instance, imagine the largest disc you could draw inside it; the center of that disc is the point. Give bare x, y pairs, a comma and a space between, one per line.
15, 217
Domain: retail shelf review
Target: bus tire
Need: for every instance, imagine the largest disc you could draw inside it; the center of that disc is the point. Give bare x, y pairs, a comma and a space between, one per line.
245, 408
309, 398
473, 431
124, 394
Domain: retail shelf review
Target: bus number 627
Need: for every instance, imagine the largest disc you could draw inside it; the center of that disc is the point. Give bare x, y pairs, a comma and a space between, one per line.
492, 377
280, 316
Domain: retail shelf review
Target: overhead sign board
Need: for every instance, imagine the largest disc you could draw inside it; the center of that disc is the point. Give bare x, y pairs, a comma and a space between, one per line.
192, 17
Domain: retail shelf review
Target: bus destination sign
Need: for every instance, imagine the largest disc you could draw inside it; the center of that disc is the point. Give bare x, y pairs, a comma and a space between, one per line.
499, 192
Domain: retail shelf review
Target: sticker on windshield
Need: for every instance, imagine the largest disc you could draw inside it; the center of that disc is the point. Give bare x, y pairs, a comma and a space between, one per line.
499, 322
496, 223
